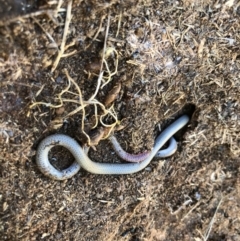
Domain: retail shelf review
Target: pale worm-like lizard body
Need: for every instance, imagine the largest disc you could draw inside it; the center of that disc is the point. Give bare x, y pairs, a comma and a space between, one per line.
81, 158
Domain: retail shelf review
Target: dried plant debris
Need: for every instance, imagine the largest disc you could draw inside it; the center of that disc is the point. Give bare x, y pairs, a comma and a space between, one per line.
132, 66
113, 94
96, 135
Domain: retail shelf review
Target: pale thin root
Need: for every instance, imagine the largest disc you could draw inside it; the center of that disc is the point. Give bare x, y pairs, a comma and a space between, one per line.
46, 104
82, 107
92, 100
108, 125
111, 126
109, 77
66, 27
81, 103
70, 101
85, 103
70, 45
69, 54
105, 111
113, 114
109, 132
77, 102
195, 206
75, 111
95, 114
60, 2
112, 108
206, 236
98, 86
47, 33
51, 105
97, 33
72, 93
119, 23
105, 41
42, 87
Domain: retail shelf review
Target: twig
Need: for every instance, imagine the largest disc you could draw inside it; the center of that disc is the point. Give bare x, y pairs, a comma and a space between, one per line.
195, 206
60, 2
212, 221
119, 23
105, 42
48, 34
97, 33
67, 22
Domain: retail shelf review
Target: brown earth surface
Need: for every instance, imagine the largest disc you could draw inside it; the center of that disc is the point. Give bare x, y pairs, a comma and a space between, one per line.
174, 58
